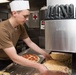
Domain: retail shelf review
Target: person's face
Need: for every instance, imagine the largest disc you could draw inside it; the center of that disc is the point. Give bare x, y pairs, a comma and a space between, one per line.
21, 16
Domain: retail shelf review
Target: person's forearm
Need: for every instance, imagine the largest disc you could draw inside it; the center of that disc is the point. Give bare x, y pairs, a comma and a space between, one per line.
24, 62
36, 48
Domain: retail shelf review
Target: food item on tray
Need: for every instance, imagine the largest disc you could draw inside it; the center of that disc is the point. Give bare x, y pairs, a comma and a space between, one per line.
57, 66
36, 74
4, 73
60, 56
32, 57
18, 74
53, 73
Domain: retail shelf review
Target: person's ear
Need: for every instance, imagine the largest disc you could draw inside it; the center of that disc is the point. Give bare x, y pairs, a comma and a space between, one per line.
14, 13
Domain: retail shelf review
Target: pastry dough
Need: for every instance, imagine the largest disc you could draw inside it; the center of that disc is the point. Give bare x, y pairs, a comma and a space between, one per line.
57, 66
36, 74
60, 56
4, 73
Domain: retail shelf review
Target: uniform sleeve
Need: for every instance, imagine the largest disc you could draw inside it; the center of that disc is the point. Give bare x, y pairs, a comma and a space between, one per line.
24, 34
5, 41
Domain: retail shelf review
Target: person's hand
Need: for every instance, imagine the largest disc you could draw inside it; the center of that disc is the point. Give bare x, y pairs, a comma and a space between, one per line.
47, 56
42, 69
45, 73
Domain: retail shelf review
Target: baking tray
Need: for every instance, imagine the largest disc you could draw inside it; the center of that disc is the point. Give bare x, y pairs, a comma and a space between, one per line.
30, 51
